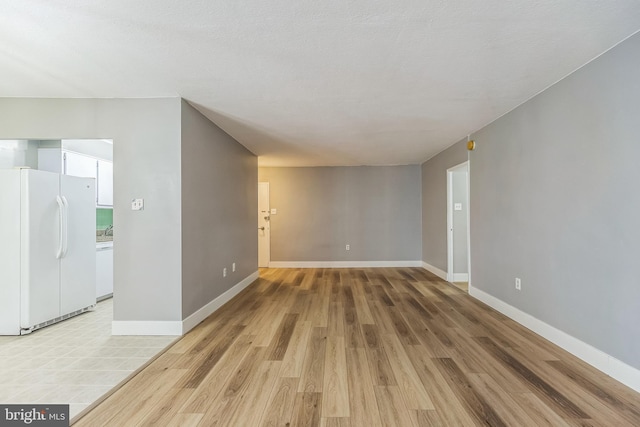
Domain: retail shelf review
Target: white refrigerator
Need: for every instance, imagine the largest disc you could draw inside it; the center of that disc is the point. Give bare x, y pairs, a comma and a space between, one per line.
47, 248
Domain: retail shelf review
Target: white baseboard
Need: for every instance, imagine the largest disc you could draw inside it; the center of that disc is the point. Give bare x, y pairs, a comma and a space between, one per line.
146, 327
460, 277
197, 317
343, 264
627, 375
600, 360
441, 274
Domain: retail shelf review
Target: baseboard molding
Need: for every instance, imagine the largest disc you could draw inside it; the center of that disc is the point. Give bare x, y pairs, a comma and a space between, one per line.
600, 360
441, 274
343, 264
146, 327
460, 277
197, 317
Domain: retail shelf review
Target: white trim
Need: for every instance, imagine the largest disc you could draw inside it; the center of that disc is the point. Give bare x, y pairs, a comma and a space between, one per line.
462, 167
468, 221
440, 273
197, 317
460, 277
160, 327
600, 360
449, 272
146, 327
343, 264
261, 187
627, 375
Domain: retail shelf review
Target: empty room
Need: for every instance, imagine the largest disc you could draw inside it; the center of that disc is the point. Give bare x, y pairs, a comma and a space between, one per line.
319, 213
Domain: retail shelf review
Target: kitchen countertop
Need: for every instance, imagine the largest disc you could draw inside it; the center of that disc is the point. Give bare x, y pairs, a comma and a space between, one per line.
102, 238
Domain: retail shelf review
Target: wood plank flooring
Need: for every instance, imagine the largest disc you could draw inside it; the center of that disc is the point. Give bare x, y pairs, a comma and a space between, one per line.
364, 347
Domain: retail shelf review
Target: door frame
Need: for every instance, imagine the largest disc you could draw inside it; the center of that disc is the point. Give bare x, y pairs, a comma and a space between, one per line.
264, 186
464, 166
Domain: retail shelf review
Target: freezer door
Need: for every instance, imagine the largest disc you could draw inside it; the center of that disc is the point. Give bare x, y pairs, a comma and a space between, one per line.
78, 261
9, 252
40, 242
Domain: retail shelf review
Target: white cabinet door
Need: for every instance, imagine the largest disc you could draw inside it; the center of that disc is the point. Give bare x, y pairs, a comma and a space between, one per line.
104, 272
79, 165
105, 183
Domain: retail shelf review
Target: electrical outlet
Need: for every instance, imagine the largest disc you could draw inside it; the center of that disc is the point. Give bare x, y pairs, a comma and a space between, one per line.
137, 204
233, 267
224, 272
518, 284
347, 247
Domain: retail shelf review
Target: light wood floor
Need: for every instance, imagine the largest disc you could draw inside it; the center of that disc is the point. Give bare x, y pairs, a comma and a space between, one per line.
364, 347
463, 286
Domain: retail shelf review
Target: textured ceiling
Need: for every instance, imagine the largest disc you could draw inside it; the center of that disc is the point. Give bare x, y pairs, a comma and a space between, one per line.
302, 82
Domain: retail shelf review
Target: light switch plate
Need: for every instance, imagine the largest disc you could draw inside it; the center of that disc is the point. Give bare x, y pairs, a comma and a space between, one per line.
137, 205
457, 207
274, 211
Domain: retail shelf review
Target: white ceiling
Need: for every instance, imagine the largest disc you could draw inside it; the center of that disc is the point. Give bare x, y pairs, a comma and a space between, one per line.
301, 82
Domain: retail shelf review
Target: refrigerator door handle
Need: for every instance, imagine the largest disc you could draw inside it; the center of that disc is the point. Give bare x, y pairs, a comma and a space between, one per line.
65, 246
61, 227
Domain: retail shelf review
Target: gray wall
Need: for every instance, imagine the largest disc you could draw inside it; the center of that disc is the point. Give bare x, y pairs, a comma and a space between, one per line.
146, 134
219, 210
460, 249
555, 201
434, 203
376, 210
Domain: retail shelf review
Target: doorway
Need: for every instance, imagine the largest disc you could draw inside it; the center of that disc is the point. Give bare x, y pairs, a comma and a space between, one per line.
458, 225
264, 225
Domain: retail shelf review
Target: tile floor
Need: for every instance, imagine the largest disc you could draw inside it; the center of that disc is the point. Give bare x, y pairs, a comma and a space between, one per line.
74, 362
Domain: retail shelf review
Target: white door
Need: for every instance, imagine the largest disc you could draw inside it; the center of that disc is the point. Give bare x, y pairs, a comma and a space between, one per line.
105, 183
264, 228
78, 261
41, 243
104, 272
458, 223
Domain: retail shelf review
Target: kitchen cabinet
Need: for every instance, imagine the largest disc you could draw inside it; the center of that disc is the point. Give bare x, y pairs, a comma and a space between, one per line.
105, 183
79, 165
75, 164
104, 270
